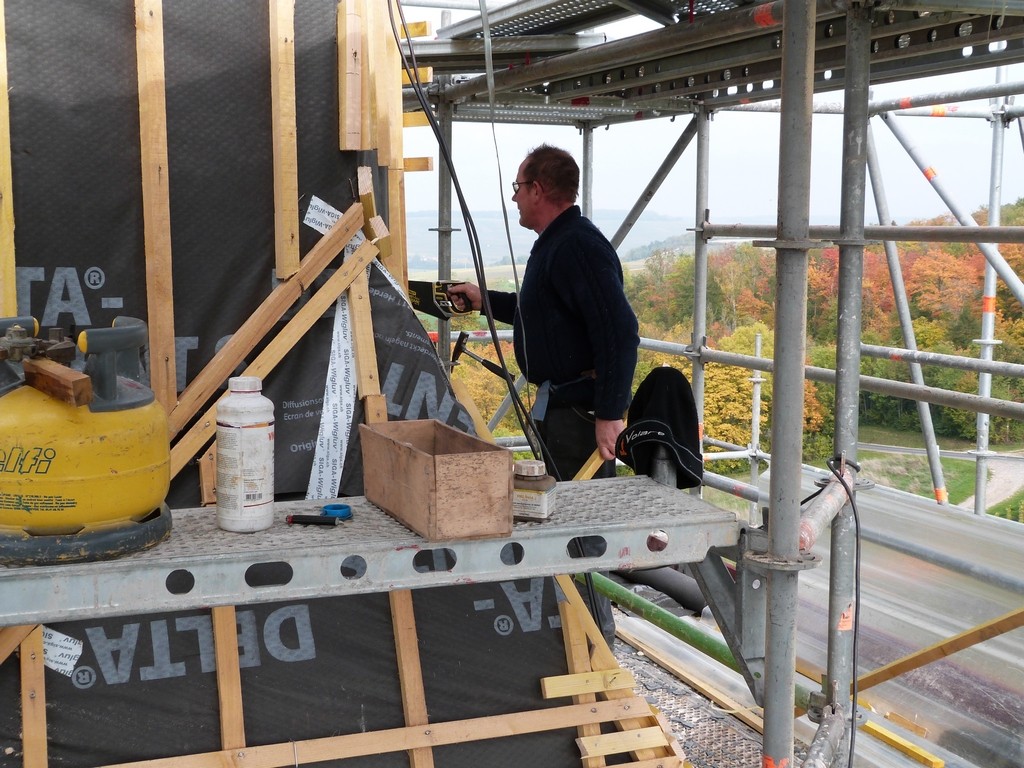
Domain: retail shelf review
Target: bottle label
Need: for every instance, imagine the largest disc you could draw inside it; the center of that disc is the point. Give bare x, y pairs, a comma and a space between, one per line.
245, 472
532, 505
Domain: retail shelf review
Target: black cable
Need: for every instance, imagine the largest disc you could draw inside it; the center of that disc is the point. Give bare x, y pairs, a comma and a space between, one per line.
523, 415
831, 463
525, 418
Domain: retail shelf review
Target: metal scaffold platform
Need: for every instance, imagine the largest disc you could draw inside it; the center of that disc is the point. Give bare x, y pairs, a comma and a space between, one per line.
639, 522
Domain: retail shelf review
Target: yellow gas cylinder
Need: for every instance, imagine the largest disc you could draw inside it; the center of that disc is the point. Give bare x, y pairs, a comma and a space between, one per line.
84, 456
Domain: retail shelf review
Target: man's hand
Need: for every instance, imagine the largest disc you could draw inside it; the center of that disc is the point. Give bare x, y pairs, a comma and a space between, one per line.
607, 432
461, 294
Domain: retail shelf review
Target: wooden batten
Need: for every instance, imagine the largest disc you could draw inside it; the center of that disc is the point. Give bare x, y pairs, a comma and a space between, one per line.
193, 441
423, 76
364, 187
8, 292
229, 677
416, 164
397, 264
58, 381
156, 199
410, 671
33, 701
371, 45
217, 371
350, 74
416, 29
416, 119
286, 163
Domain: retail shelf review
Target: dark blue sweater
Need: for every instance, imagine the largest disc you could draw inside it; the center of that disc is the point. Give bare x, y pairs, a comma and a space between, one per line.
572, 320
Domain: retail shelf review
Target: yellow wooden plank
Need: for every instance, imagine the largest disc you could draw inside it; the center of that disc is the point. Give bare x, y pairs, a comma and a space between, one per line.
367, 198
586, 682
208, 476
900, 744
378, 231
350, 74
257, 325
367, 378
375, 409
286, 162
463, 395
156, 207
11, 638
33, 701
603, 658
205, 426
416, 29
403, 739
371, 55
397, 264
410, 672
417, 164
415, 119
229, 678
423, 76
622, 741
577, 660
8, 284
998, 626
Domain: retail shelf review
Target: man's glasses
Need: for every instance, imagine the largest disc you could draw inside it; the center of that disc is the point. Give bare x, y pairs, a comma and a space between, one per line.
517, 184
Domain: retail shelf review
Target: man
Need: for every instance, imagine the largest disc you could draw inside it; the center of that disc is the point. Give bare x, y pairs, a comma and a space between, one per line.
574, 333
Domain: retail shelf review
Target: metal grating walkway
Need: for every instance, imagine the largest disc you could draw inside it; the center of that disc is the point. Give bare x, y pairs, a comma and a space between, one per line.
201, 565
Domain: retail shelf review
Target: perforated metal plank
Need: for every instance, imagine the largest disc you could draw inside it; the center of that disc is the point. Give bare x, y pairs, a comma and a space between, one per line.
546, 17
201, 565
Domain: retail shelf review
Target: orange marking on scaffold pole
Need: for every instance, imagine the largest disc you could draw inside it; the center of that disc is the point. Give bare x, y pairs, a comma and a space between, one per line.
906, 102
769, 762
988, 304
930, 173
763, 16
941, 496
938, 111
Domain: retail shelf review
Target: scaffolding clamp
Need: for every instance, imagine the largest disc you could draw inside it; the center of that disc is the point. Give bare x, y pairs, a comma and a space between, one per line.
763, 562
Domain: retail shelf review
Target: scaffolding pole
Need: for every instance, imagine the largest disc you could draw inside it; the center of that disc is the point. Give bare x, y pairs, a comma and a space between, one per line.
783, 561
841, 658
988, 307
899, 293
700, 264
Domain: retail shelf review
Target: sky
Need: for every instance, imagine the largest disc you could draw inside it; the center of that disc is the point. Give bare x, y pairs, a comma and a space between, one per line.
743, 165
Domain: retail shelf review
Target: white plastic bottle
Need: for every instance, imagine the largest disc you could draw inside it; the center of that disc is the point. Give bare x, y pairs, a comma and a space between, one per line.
245, 457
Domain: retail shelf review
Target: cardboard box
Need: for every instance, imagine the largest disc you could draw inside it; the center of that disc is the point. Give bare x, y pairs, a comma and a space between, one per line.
436, 480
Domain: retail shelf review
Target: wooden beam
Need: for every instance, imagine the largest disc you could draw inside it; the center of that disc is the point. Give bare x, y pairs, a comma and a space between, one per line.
416, 29
11, 638
156, 207
587, 682
998, 626
8, 284
577, 660
204, 429
257, 325
379, 233
33, 701
900, 744
58, 381
407, 738
423, 75
350, 74
410, 672
368, 100
417, 164
397, 265
623, 741
229, 677
286, 163
367, 378
416, 119
367, 198
602, 658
